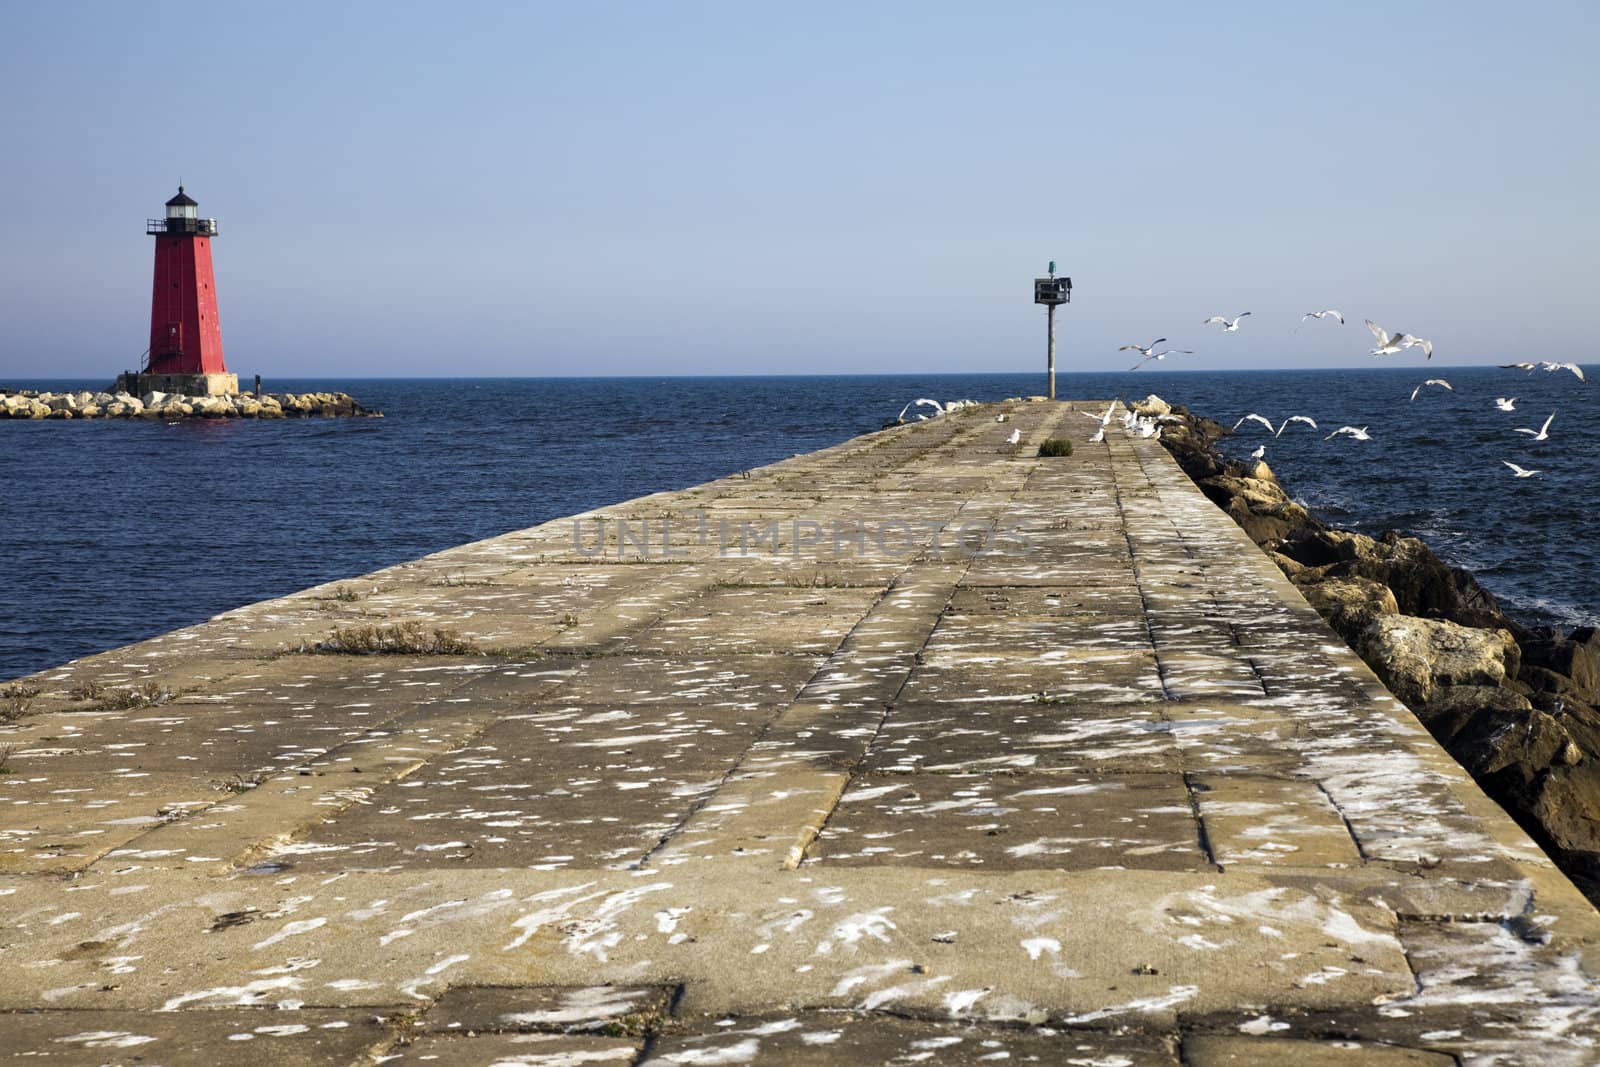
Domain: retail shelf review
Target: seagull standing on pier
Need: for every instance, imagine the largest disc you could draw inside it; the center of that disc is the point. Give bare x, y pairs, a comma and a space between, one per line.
1228, 325
1016, 435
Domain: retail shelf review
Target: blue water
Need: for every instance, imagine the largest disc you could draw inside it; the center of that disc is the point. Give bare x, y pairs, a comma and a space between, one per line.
113, 531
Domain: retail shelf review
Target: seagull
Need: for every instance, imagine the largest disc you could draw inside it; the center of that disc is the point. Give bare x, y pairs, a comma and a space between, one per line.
1518, 471
1573, 367
1103, 420
1143, 350
1389, 344
1357, 432
1016, 435
1161, 355
1308, 420
1432, 381
1321, 314
1228, 325
1417, 342
1506, 403
1001, 418
1098, 436
1259, 453
1543, 433
1516, 366
1253, 417
902, 416
938, 408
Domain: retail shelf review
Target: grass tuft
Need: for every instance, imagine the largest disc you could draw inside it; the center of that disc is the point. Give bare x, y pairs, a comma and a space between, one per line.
1055, 446
14, 701
405, 638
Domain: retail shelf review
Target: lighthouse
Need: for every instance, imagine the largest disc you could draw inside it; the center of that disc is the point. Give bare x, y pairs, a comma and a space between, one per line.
185, 353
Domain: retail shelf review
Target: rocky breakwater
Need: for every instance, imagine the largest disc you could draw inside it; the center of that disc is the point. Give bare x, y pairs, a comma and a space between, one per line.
1516, 706
28, 404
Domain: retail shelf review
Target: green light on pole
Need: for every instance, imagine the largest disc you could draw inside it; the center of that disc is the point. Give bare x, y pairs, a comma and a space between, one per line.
1052, 270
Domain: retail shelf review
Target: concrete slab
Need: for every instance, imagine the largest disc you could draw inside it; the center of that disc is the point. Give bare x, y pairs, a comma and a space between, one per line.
1011, 821
1117, 797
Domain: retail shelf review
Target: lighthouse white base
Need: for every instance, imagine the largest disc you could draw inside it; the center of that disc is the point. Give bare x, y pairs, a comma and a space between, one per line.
180, 384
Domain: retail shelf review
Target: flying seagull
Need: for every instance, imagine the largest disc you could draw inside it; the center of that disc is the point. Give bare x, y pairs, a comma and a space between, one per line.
1103, 420
1357, 432
1323, 314
1389, 344
1506, 403
1143, 350
1518, 471
1308, 420
1228, 325
1432, 381
1148, 356
1543, 433
1253, 417
1516, 366
1573, 367
938, 408
902, 416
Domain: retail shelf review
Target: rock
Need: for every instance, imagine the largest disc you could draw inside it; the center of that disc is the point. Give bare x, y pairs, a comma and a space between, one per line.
1454, 707
153, 399
1415, 656
1152, 407
1568, 806
1291, 570
1351, 604
1577, 660
62, 402
1322, 547
88, 411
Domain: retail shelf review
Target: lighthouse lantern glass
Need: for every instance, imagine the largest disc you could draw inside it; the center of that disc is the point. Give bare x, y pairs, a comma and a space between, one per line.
181, 211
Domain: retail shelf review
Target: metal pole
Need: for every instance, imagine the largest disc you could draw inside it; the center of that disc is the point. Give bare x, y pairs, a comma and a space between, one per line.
1052, 363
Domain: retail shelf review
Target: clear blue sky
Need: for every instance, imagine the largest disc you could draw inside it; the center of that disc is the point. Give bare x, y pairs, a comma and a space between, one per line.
649, 188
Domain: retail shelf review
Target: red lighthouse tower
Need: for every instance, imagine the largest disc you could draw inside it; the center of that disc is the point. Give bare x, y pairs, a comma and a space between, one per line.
185, 335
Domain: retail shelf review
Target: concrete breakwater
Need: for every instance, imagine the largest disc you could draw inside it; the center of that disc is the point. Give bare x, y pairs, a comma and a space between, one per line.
1103, 791
32, 404
1518, 707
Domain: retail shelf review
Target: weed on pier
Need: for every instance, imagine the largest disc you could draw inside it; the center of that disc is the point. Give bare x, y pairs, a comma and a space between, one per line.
14, 701
406, 638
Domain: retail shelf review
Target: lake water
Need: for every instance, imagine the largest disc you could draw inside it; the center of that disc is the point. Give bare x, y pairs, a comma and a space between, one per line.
115, 530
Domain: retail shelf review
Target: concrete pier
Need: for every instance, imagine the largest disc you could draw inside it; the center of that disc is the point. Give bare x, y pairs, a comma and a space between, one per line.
916, 749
